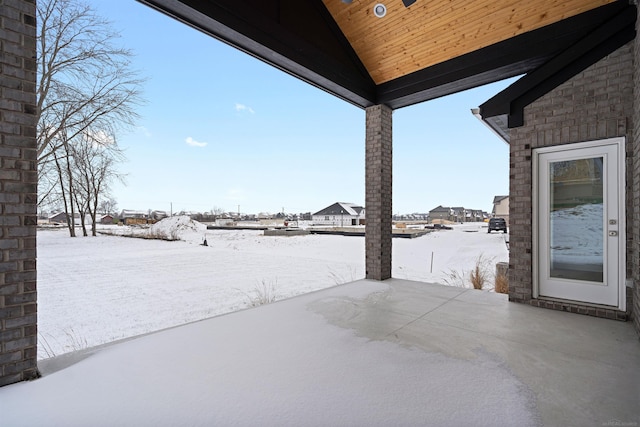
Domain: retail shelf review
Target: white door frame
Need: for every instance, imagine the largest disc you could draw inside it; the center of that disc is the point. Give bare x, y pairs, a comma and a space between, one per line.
619, 142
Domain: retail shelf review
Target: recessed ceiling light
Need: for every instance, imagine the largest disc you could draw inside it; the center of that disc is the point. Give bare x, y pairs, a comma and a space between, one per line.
379, 10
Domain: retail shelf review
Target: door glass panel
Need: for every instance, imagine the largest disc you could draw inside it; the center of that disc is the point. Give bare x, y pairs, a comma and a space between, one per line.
576, 219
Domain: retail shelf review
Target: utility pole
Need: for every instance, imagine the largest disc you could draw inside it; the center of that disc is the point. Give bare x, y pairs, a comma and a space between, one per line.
171, 211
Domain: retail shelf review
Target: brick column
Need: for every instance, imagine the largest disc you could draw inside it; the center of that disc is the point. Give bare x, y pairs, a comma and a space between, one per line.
18, 184
634, 207
378, 178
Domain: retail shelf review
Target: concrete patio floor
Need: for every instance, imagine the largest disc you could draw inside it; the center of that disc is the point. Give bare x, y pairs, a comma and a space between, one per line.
366, 353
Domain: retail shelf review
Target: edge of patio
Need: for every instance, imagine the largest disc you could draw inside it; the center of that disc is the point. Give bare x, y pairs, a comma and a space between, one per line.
365, 353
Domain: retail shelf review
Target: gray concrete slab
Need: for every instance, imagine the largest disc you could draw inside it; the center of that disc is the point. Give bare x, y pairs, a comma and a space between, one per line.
582, 370
366, 353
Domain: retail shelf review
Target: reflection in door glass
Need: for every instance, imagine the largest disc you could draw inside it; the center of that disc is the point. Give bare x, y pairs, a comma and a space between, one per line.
577, 219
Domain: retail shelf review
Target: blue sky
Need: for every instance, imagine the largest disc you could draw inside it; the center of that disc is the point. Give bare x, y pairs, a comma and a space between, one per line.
222, 129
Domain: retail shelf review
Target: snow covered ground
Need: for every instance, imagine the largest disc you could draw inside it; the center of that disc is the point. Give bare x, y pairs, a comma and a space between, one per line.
94, 290
577, 235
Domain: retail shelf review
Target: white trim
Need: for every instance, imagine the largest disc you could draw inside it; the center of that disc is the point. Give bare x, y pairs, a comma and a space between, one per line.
622, 227
620, 142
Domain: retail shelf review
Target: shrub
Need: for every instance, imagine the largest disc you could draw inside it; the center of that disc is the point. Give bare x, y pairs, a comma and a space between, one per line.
479, 275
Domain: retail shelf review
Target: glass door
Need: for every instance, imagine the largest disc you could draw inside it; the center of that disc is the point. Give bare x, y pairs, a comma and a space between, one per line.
580, 250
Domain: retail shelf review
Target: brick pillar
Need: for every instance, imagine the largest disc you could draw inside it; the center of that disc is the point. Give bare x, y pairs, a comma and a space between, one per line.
378, 178
18, 184
634, 215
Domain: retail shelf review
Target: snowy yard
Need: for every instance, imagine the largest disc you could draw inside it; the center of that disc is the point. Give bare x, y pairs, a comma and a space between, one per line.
96, 290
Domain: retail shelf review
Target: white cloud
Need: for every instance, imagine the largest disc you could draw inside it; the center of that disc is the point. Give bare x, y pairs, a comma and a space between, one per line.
193, 143
100, 138
144, 131
242, 107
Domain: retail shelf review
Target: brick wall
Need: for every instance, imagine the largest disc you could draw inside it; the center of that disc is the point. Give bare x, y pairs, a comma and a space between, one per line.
378, 176
595, 104
18, 182
635, 182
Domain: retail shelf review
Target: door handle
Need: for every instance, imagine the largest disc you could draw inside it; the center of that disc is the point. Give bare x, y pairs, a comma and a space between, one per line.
613, 233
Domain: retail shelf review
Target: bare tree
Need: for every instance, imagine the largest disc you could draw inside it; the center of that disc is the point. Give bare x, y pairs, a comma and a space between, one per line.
95, 158
107, 205
216, 212
61, 159
85, 87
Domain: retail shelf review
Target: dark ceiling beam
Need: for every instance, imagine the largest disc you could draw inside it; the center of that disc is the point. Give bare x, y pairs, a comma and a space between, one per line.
607, 38
257, 34
509, 58
302, 39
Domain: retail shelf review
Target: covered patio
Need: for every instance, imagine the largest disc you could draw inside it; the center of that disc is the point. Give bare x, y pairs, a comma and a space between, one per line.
379, 351
366, 353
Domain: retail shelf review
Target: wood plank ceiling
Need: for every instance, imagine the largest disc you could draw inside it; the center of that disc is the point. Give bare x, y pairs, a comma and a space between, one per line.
427, 50
426, 33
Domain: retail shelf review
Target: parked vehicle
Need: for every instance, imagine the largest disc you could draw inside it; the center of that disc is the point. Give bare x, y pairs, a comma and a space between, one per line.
497, 224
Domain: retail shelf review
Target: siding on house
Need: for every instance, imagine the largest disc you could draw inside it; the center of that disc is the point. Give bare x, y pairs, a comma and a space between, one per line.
442, 213
106, 219
501, 207
339, 214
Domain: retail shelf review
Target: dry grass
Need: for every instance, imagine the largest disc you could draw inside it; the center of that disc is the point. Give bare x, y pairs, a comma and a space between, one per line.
479, 276
455, 278
480, 273
340, 279
502, 284
170, 236
75, 342
262, 293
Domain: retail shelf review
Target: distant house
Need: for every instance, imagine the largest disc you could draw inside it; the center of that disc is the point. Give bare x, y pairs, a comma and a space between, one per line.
501, 207
476, 215
459, 214
106, 219
339, 214
129, 217
61, 218
441, 213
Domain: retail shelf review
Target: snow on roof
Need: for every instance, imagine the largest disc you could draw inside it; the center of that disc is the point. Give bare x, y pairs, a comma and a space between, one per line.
341, 208
131, 212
